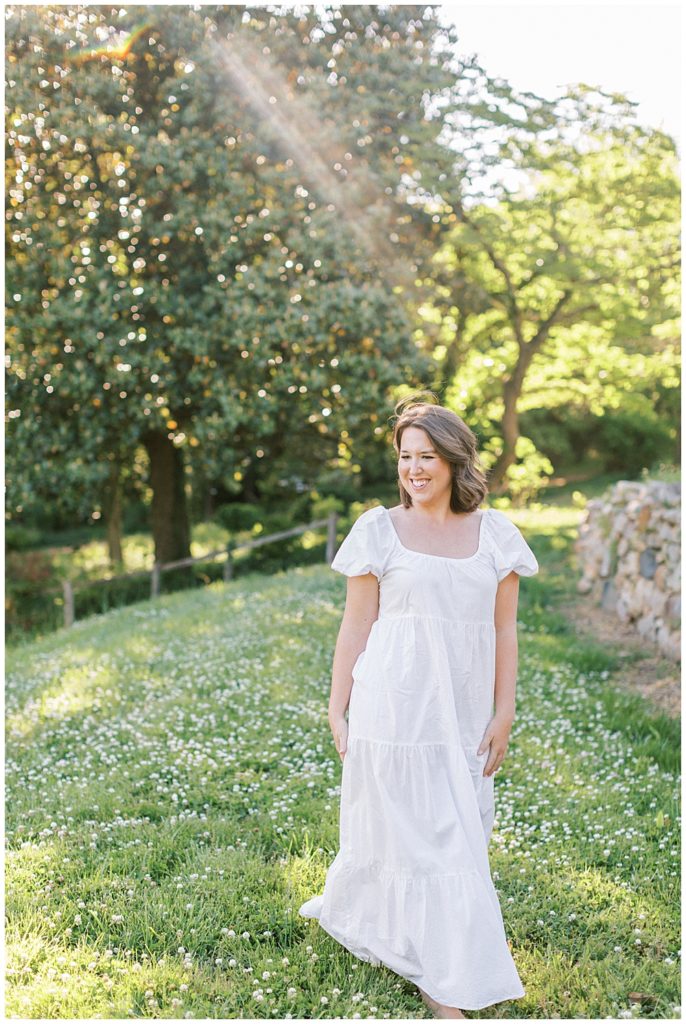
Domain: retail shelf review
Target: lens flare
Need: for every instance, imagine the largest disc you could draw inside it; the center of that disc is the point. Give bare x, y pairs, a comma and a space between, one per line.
118, 47
293, 125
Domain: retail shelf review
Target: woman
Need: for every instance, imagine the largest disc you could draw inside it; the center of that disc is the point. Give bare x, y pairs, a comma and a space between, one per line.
426, 648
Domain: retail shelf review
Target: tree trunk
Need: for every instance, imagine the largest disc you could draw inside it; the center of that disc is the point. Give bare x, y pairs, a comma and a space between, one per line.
510, 427
169, 511
515, 385
113, 513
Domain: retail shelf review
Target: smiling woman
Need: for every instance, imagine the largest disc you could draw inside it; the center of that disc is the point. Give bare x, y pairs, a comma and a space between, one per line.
427, 645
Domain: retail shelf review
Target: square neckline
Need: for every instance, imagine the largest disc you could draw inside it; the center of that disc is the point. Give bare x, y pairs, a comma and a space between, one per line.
427, 554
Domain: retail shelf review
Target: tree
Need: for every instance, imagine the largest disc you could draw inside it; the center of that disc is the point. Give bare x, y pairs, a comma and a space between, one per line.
568, 273
180, 277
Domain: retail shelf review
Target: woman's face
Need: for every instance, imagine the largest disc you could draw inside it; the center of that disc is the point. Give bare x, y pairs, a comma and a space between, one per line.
419, 461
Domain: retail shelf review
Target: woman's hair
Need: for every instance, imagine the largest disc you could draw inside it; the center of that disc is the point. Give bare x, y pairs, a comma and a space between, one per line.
452, 439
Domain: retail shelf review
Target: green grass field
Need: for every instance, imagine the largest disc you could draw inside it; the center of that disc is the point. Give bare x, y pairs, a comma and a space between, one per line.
172, 798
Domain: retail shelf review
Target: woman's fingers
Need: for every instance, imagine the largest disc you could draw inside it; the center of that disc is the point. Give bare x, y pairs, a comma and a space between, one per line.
494, 762
340, 738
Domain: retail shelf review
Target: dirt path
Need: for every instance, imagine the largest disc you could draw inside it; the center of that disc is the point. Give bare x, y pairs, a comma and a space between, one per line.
651, 674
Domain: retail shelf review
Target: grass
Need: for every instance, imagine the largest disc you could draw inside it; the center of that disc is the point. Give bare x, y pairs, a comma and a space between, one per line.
173, 798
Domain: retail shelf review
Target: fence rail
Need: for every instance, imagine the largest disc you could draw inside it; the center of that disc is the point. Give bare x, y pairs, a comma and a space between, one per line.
69, 588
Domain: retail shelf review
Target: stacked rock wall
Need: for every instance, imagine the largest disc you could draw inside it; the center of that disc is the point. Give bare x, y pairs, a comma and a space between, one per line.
630, 558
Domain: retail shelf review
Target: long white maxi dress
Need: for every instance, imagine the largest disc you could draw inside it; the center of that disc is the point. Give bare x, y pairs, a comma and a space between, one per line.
410, 886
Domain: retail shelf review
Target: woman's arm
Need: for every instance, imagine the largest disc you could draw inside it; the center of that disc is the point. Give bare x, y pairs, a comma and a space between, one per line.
361, 611
506, 650
497, 732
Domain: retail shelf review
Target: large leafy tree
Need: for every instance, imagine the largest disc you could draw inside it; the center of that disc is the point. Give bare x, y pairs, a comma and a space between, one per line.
213, 217
557, 280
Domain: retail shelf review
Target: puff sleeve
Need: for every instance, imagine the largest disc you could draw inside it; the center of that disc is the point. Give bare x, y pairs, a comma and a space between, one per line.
365, 548
511, 552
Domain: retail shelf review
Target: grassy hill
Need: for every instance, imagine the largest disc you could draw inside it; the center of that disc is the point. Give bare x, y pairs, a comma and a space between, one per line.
172, 798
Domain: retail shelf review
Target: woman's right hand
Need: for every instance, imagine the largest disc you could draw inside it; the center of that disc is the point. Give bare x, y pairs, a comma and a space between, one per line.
339, 731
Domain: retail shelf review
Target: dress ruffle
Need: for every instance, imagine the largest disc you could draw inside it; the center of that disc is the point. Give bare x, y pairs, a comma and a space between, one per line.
366, 548
511, 551
401, 922
410, 887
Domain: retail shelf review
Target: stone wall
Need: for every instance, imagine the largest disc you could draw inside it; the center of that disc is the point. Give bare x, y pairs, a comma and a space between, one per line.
630, 558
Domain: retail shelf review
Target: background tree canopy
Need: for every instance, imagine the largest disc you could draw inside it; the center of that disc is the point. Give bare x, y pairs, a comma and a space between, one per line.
236, 234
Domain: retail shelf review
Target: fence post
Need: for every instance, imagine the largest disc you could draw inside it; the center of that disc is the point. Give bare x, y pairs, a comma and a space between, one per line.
331, 537
227, 571
155, 580
68, 592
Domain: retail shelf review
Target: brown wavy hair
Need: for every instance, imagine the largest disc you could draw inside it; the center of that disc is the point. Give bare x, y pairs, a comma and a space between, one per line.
452, 439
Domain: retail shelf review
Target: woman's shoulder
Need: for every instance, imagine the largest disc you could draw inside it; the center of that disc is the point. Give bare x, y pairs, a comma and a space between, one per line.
370, 521
498, 520
370, 514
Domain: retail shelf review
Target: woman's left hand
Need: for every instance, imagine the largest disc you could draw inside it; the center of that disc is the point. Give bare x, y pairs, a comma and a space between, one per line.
497, 734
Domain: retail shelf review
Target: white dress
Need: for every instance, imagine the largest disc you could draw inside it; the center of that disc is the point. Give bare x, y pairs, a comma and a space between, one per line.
410, 886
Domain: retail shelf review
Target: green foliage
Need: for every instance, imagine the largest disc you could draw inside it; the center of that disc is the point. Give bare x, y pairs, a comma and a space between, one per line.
181, 263
246, 229
239, 515
18, 538
32, 593
629, 441
556, 288
32, 609
624, 441
667, 472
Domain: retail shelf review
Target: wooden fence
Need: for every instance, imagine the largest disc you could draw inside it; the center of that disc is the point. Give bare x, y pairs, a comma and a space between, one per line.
69, 588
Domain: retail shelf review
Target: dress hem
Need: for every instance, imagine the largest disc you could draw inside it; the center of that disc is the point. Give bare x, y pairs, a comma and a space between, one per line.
371, 958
